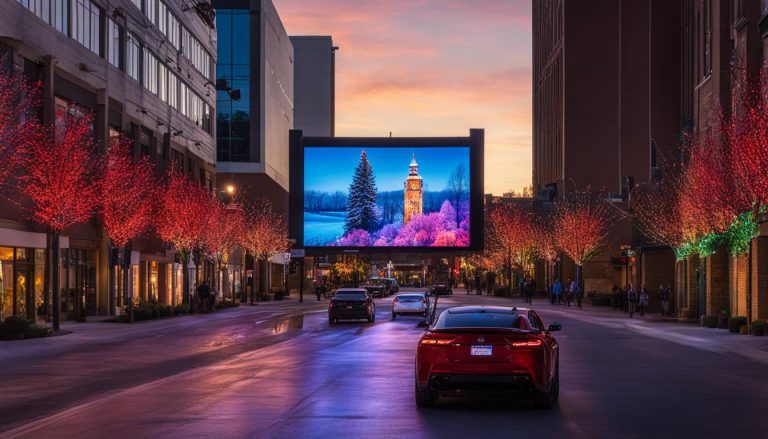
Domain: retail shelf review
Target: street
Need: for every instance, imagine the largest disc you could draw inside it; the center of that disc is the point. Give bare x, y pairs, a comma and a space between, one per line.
278, 370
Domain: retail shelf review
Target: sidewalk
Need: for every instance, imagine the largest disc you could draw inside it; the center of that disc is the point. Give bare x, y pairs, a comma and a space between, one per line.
653, 325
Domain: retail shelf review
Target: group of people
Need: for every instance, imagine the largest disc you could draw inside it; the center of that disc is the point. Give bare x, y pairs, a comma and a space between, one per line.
632, 300
527, 288
560, 294
481, 283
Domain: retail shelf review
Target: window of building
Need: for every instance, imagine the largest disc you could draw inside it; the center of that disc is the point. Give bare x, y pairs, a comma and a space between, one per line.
114, 49
162, 82
131, 56
149, 77
162, 17
137, 3
233, 109
53, 12
85, 24
150, 10
195, 53
174, 31
183, 98
173, 90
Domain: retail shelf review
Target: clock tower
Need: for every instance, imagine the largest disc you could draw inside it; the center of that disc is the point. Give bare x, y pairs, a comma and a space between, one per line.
413, 192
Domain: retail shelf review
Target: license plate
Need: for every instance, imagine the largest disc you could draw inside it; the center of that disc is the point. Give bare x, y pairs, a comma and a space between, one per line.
349, 307
481, 350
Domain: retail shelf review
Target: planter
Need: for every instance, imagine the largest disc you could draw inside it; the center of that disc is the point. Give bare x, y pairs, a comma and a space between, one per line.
758, 328
709, 321
722, 322
744, 329
735, 324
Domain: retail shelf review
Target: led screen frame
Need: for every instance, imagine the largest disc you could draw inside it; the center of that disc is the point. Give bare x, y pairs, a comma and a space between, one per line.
475, 144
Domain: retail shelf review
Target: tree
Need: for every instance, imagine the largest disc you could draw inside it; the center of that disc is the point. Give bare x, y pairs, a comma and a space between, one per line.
128, 190
266, 234
224, 230
361, 205
458, 187
581, 223
60, 172
18, 125
181, 219
511, 239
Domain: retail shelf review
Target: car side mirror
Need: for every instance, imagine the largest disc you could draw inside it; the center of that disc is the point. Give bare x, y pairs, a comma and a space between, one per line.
555, 327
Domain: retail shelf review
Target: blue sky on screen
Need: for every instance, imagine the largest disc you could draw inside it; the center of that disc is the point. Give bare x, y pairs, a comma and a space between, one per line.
330, 169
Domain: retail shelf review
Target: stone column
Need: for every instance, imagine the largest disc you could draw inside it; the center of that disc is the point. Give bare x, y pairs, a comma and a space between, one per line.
759, 278
716, 282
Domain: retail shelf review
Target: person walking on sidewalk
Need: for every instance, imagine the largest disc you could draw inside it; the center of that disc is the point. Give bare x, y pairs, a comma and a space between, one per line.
631, 300
643, 299
575, 293
557, 291
665, 294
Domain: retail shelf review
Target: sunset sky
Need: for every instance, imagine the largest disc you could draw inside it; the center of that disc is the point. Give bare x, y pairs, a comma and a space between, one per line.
431, 68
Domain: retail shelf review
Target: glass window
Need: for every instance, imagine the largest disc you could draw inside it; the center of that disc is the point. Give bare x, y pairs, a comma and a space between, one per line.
173, 90
85, 24
6, 281
131, 56
137, 3
174, 31
150, 10
113, 39
450, 319
195, 53
150, 72
162, 17
233, 86
162, 84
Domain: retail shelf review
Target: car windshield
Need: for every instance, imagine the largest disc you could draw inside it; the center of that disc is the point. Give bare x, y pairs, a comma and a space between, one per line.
449, 320
350, 295
410, 297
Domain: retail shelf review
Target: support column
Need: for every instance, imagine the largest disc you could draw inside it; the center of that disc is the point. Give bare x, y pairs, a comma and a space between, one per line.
760, 278
737, 284
716, 282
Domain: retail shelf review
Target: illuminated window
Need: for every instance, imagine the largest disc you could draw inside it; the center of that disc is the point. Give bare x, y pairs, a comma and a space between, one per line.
114, 48
85, 24
131, 56
150, 72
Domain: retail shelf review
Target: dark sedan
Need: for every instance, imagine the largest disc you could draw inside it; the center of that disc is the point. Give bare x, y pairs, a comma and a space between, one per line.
441, 290
352, 304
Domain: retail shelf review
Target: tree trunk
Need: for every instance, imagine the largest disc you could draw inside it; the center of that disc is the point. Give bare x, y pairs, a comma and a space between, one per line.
112, 274
56, 293
185, 278
47, 280
263, 274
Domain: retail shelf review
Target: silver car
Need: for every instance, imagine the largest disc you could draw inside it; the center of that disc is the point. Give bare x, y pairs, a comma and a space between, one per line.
410, 304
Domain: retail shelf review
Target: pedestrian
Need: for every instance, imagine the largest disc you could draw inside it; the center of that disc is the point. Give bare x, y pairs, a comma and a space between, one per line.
478, 283
625, 302
615, 297
643, 299
575, 292
631, 300
567, 292
203, 295
557, 291
665, 294
317, 290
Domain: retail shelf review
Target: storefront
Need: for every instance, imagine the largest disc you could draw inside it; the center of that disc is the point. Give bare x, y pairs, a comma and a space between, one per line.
22, 274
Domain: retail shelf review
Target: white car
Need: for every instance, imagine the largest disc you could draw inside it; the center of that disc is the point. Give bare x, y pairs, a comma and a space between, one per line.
410, 304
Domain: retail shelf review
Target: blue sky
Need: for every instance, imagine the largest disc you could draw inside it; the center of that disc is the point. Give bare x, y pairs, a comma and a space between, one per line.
330, 169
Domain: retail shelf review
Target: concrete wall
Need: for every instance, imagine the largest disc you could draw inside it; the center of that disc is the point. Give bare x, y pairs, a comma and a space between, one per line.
313, 79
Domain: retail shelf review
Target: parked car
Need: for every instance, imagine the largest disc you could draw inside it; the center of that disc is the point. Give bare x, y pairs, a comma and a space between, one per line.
351, 303
441, 290
376, 287
489, 351
410, 304
391, 284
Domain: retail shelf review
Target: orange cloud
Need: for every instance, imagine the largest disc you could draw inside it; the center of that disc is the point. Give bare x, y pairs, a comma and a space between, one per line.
431, 67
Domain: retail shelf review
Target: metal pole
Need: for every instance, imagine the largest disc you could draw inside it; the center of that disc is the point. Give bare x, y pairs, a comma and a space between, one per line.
301, 282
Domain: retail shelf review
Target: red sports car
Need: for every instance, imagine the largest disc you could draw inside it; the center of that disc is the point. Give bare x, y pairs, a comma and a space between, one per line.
488, 351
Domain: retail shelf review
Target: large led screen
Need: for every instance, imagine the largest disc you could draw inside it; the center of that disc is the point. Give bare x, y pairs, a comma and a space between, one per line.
387, 196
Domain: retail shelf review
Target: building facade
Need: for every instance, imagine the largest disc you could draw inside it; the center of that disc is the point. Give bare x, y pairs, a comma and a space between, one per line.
314, 85
606, 109
144, 69
255, 103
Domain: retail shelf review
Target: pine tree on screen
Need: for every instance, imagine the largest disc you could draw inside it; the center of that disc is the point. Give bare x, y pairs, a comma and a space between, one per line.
361, 206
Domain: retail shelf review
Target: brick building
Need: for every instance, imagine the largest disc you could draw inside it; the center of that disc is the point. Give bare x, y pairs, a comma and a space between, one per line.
606, 108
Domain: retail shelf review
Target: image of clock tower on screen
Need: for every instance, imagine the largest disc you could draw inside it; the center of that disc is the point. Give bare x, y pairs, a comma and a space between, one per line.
414, 194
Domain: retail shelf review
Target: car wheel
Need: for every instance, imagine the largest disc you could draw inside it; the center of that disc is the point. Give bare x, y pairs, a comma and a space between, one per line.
369, 318
424, 397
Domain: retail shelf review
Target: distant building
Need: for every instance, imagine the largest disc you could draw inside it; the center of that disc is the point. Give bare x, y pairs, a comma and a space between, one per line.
254, 83
314, 85
414, 193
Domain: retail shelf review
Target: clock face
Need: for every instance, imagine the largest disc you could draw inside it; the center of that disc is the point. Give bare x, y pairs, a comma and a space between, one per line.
414, 186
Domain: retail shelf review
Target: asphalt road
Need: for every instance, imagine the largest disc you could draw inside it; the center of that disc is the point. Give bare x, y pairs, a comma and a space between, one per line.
280, 371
